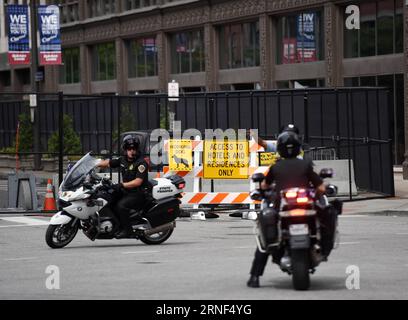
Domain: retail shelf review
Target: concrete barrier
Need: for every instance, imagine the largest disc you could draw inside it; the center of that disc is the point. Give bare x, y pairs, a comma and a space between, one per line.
341, 175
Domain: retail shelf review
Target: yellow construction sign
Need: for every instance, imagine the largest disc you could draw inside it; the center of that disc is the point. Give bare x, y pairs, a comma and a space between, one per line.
226, 160
181, 155
267, 159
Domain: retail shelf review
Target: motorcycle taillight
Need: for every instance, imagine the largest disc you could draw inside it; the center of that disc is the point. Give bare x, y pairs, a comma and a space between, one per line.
181, 186
299, 196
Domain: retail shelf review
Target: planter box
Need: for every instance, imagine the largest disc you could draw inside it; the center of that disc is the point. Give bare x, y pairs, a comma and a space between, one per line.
8, 163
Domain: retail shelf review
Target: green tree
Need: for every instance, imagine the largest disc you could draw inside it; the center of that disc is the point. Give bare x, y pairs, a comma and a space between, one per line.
25, 135
72, 142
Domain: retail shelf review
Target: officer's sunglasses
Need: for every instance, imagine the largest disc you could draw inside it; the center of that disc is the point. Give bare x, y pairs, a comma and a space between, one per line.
131, 148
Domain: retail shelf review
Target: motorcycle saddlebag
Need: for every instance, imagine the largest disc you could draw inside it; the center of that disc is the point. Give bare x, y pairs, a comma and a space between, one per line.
163, 212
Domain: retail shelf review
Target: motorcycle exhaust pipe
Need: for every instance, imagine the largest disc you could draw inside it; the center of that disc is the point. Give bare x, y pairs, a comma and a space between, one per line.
161, 228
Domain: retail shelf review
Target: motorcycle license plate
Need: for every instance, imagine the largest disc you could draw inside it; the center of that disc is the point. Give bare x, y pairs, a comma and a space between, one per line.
298, 229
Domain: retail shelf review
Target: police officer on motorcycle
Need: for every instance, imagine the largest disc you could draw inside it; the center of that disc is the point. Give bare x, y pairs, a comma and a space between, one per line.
290, 171
132, 191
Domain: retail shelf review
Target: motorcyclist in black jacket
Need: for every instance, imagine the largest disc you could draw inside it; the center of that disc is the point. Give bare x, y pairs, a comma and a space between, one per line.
289, 172
132, 191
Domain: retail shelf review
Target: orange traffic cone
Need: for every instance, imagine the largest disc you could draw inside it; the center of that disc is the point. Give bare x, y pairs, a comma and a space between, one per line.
49, 202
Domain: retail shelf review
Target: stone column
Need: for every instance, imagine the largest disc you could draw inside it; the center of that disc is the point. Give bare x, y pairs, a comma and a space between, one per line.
267, 49
86, 68
51, 78
163, 60
405, 164
121, 67
211, 57
333, 46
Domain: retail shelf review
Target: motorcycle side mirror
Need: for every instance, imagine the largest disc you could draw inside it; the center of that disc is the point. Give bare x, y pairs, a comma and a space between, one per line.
326, 173
258, 177
331, 190
256, 195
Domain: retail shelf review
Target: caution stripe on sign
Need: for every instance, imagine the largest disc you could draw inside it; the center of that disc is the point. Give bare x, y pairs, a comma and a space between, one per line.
217, 198
197, 172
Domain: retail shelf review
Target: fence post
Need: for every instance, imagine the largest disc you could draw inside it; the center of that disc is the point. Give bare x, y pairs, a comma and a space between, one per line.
306, 104
60, 137
349, 104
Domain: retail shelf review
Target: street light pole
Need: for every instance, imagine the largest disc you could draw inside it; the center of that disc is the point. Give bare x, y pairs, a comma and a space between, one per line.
35, 88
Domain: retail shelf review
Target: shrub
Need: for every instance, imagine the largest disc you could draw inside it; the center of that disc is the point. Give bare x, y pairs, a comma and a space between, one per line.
26, 135
72, 142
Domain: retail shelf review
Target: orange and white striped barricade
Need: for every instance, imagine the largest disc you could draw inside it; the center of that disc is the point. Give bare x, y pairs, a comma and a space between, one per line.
197, 197
192, 198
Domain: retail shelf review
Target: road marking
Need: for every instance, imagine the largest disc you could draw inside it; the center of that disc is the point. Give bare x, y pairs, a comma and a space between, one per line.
244, 247
348, 243
25, 222
138, 252
353, 216
20, 259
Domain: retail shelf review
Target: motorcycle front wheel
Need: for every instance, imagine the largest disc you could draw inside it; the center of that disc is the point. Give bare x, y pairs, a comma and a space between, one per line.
59, 236
157, 238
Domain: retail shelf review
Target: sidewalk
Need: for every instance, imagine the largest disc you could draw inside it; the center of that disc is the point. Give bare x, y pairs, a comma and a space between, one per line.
389, 206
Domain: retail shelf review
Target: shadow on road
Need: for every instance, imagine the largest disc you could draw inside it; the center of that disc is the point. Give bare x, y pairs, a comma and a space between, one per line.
316, 284
126, 245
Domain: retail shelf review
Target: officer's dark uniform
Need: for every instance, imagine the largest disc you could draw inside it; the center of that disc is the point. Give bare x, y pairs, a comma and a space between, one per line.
287, 173
133, 199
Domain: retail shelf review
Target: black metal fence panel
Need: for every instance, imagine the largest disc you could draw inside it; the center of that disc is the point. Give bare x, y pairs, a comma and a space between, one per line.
355, 122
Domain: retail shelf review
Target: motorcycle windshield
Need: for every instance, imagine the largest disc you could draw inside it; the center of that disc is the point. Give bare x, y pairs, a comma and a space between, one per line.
77, 174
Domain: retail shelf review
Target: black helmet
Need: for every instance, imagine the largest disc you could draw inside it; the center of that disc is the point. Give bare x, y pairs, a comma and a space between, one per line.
288, 145
290, 128
129, 142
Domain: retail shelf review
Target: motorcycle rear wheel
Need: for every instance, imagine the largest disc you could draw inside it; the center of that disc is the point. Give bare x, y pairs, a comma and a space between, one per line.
300, 269
157, 238
59, 236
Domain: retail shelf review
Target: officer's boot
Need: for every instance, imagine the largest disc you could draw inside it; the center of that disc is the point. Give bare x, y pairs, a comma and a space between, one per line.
253, 282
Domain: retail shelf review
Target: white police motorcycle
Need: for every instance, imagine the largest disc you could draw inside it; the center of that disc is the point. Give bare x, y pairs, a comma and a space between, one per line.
84, 199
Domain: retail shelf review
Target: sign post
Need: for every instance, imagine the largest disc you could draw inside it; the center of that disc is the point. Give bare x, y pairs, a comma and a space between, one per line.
173, 96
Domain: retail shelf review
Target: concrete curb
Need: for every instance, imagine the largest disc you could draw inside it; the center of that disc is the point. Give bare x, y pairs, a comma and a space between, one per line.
388, 213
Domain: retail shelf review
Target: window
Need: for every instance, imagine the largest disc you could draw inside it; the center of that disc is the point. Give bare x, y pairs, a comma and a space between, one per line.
23, 76
70, 69
69, 11
104, 62
135, 4
188, 52
5, 78
239, 45
300, 38
381, 30
97, 8
367, 29
308, 83
385, 29
399, 27
142, 58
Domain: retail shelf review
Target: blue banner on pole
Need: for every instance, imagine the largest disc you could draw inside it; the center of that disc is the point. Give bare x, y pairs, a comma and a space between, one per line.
18, 34
50, 36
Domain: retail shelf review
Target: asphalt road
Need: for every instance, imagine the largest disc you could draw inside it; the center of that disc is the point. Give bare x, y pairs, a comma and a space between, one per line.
202, 260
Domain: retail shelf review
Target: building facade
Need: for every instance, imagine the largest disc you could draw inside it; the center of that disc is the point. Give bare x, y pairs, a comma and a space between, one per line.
138, 46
